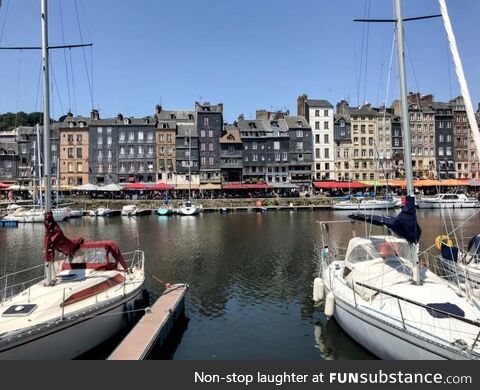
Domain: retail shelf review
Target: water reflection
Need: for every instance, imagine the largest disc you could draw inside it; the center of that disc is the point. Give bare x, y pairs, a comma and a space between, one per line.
250, 275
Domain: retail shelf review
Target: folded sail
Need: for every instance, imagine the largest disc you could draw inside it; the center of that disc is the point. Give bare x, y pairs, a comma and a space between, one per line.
404, 225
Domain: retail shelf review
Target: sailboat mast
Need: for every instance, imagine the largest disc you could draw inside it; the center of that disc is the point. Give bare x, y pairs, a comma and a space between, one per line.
460, 75
407, 144
46, 111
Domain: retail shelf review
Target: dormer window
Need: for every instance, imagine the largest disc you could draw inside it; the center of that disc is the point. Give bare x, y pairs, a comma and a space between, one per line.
126, 121
230, 137
165, 126
71, 124
173, 116
274, 124
342, 124
252, 125
190, 116
81, 124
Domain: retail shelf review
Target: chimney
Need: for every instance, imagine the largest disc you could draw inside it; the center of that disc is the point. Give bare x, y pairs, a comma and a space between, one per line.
301, 105
94, 115
342, 109
120, 117
158, 109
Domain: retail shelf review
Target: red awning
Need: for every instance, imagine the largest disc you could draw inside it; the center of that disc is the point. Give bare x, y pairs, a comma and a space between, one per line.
131, 178
244, 186
4, 186
136, 186
160, 187
338, 184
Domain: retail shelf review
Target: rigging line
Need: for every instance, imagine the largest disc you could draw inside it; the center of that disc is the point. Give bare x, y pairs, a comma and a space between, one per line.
4, 19
19, 80
84, 55
361, 55
56, 88
73, 82
355, 60
411, 63
65, 55
448, 66
366, 56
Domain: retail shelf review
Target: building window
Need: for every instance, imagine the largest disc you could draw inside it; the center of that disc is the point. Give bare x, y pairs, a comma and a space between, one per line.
140, 150
70, 138
299, 133
70, 167
70, 152
325, 139
440, 151
325, 125
210, 133
99, 130
203, 146
255, 157
317, 112
131, 136
276, 145
100, 141
210, 147
449, 150
285, 156
325, 112
277, 156
317, 125
140, 136
254, 145
79, 152
79, 167
317, 153
326, 152
202, 133
131, 150
210, 161
122, 150
299, 145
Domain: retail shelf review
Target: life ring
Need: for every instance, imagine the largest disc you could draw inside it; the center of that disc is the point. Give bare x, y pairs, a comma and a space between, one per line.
442, 238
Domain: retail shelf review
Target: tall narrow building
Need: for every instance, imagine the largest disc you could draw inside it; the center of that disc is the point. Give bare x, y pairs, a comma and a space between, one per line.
320, 116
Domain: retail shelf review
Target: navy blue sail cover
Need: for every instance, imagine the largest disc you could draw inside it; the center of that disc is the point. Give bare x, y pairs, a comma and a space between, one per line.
474, 245
404, 225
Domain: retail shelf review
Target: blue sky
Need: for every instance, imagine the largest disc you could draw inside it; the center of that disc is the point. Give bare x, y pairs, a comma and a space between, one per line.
248, 54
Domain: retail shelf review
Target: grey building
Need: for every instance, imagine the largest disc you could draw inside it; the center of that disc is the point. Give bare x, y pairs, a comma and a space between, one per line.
342, 136
231, 155
209, 130
187, 149
301, 151
8, 156
398, 170
444, 140
266, 150
122, 150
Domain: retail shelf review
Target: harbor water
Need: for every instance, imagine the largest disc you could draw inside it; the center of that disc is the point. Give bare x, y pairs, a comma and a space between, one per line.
250, 276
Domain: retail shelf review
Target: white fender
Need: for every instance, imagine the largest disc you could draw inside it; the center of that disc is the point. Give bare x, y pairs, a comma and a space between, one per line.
329, 304
318, 289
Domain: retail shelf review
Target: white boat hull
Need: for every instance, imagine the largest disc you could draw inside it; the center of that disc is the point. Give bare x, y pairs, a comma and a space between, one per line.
70, 339
193, 210
365, 205
429, 204
36, 216
385, 341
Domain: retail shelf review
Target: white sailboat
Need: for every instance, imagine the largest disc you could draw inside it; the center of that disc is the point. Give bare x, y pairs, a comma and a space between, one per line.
189, 208
382, 295
82, 300
448, 201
